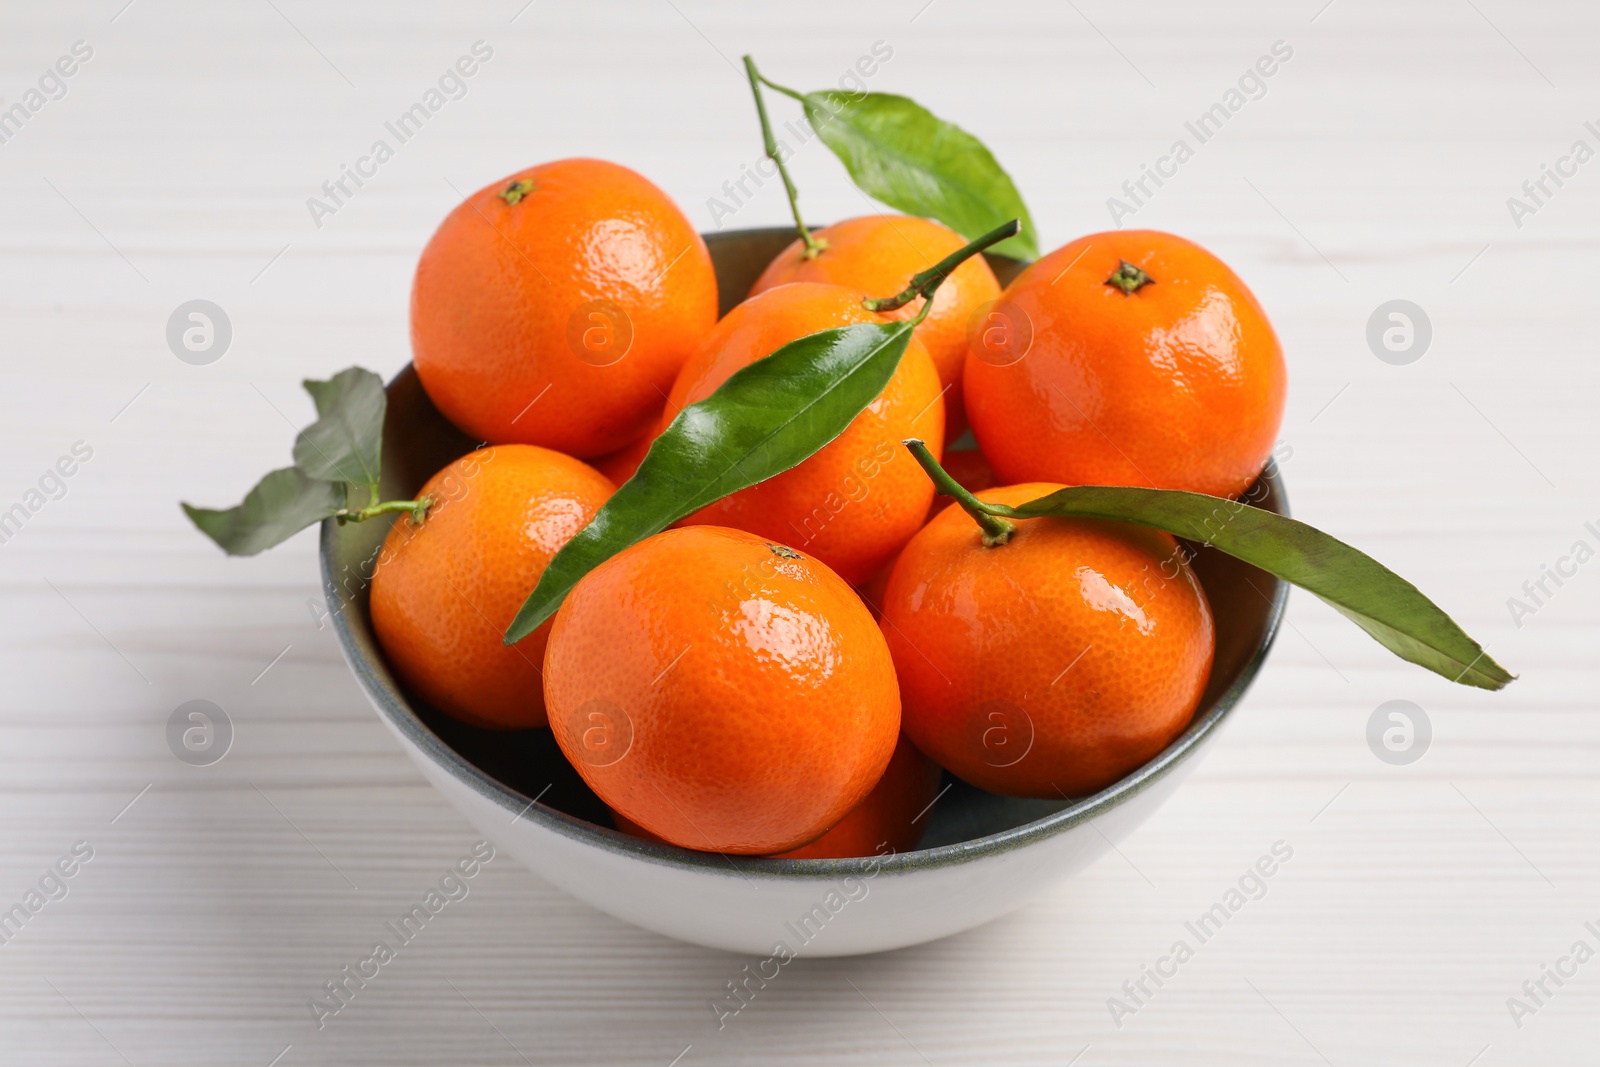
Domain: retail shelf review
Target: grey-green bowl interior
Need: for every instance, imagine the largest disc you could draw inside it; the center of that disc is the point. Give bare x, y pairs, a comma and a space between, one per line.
524, 771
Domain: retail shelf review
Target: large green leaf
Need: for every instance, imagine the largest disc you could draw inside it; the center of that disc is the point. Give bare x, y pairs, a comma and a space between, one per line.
766, 418
345, 444
281, 505
1377, 599
899, 152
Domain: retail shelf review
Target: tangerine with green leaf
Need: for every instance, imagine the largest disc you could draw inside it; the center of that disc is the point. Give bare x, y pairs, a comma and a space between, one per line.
1045, 657
879, 254
856, 500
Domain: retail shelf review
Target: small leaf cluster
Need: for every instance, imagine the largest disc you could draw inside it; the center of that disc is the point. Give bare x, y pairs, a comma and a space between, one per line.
341, 451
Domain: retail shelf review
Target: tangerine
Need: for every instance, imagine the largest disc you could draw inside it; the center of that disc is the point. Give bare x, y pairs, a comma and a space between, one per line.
885, 823
555, 306
854, 502
722, 691
1127, 358
891, 818
445, 589
878, 254
1050, 665
620, 465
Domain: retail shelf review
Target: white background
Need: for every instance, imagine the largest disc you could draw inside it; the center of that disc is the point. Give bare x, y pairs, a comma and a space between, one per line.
1377, 166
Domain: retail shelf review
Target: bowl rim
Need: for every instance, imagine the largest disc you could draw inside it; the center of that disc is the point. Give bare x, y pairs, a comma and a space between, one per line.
385, 694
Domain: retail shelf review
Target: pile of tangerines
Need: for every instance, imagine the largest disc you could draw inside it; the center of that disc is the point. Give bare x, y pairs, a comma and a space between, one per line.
706, 552
785, 671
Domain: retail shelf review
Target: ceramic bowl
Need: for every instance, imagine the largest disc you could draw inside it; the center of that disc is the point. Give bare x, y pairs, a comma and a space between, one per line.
980, 857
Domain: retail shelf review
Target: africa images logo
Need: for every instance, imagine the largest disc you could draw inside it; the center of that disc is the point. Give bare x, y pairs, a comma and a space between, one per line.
452, 85
52, 86
1251, 85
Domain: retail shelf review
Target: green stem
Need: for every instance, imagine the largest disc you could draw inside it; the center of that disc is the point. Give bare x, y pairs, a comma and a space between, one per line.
417, 509
996, 531
785, 90
1129, 279
516, 191
812, 244
925, 283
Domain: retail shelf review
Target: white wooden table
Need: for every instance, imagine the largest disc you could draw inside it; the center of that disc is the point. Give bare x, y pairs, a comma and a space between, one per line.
1376, 166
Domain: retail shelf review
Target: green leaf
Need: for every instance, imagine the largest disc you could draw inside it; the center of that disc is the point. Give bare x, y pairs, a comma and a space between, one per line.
1378, 600
280, 506
899, 152
766, 418
345, 444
